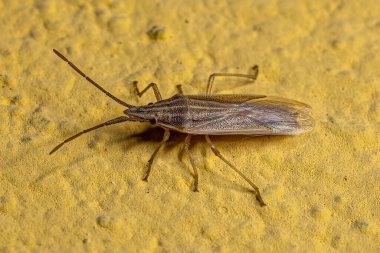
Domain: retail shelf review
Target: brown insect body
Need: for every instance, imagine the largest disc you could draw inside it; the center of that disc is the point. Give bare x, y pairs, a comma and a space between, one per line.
210, 114
227, 114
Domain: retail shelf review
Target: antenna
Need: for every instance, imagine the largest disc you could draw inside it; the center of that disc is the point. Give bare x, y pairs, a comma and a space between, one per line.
90, 80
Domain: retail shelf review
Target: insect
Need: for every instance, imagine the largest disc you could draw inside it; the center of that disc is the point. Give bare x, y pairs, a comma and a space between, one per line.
210, 114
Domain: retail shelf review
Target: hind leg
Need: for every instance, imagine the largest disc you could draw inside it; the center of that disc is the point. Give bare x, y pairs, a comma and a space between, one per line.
253, 76
218, 154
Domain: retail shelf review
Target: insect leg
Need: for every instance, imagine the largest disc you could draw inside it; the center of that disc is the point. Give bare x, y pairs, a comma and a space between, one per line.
179, 88
107, 123
90, 80
218, 154
187, 145
151, 85
212, 77
150, 162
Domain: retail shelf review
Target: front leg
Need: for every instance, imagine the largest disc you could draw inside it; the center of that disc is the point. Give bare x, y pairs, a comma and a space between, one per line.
150, 162
179, 88
151, 85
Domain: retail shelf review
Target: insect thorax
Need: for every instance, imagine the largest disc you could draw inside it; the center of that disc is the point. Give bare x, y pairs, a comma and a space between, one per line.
178, 112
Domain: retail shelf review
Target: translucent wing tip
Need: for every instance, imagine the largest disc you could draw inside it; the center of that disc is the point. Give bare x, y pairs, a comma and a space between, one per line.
305, 121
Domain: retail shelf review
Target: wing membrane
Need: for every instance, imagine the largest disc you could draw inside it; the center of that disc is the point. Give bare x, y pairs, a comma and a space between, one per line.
227, 98
256, 115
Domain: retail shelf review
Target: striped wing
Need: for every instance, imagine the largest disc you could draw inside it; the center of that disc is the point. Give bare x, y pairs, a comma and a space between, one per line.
253, 115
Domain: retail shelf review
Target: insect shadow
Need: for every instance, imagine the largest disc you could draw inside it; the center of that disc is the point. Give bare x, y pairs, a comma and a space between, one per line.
153, 135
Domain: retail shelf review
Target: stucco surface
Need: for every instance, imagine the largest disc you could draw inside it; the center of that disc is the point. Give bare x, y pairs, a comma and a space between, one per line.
322, 188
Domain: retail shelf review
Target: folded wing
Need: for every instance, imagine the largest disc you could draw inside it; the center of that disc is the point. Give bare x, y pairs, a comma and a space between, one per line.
254, 115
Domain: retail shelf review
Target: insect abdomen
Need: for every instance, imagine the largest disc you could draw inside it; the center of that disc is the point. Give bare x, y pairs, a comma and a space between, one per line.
261, 116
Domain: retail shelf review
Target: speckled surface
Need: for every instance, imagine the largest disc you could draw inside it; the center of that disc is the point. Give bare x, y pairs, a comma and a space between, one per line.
322, 188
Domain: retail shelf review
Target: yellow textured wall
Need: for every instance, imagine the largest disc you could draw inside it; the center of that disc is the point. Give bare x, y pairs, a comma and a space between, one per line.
322, 188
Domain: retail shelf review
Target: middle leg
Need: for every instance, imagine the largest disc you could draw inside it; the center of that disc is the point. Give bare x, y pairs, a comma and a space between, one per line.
187, 145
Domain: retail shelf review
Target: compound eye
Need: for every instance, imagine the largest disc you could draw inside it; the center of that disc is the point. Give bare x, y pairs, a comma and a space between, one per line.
153, 121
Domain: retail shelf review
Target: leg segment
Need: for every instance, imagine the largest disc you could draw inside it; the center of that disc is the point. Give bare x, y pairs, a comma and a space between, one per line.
187, 145
164, 140
179, 88
212, 77
151, 85
218, 154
